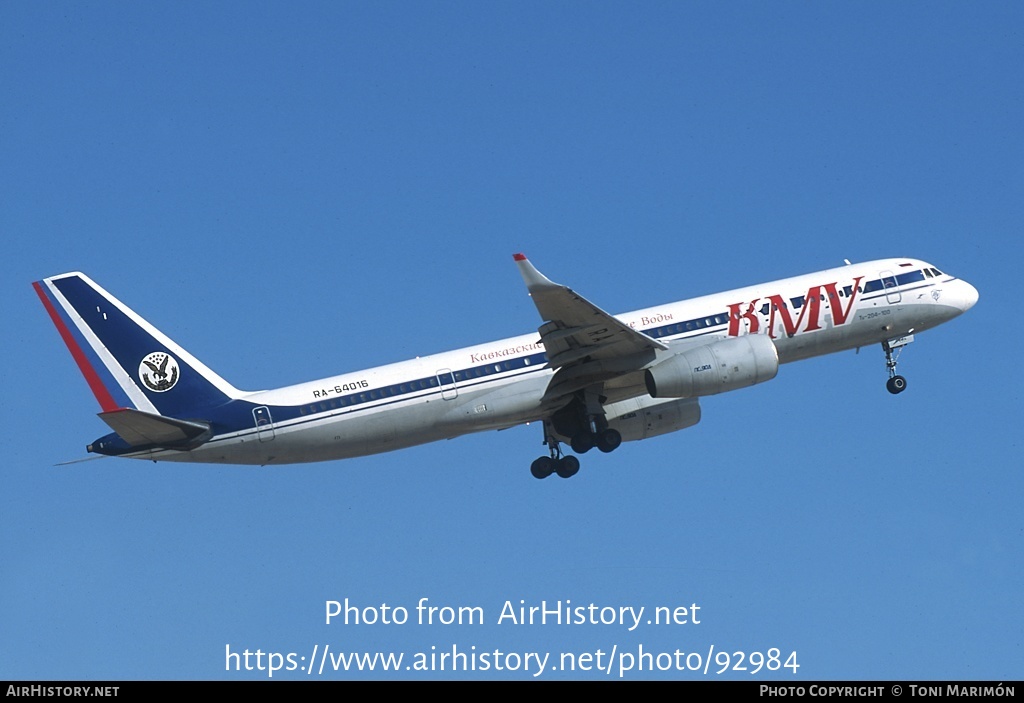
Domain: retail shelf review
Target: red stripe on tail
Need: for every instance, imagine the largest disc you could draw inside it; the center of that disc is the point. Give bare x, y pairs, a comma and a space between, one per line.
92, 378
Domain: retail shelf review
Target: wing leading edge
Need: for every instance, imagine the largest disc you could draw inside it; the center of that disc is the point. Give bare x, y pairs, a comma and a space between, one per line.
584, 344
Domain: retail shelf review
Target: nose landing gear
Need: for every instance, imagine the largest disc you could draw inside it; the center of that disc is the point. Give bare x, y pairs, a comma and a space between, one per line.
896, 383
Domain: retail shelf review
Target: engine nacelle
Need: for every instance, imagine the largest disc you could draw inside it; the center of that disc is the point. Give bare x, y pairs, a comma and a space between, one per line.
640, 418
714, 368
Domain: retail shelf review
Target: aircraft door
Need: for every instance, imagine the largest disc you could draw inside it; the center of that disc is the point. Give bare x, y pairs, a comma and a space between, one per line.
264, 423
892, 295
445, 379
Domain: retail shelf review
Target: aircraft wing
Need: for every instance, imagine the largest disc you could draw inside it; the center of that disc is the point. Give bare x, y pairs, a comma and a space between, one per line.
583, 342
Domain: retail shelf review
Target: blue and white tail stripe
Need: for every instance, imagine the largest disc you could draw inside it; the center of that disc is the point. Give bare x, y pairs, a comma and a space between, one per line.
127, 361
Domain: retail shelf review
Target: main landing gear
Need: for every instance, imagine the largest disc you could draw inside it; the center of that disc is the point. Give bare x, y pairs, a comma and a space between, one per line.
583, 421
607, 440
567, 465
896, 383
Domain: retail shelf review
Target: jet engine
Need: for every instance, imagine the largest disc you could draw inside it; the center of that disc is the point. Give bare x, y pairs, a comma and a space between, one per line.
713, 368
640, 418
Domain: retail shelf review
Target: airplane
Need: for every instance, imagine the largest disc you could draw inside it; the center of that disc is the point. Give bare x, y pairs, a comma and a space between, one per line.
591, 379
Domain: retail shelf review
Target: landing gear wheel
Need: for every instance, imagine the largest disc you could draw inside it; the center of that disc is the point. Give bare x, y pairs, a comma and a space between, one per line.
896, 384
568, 466
582, 443
609, 440
543, 467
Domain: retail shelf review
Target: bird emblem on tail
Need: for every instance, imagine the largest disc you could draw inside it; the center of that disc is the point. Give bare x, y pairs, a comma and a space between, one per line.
158, 372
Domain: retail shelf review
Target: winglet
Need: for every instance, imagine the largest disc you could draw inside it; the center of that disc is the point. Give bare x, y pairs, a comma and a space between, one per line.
534, 279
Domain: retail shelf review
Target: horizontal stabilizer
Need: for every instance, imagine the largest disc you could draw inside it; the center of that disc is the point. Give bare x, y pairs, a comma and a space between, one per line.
139, 428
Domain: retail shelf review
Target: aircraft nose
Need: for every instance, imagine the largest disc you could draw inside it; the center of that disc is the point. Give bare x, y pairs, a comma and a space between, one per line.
968, 296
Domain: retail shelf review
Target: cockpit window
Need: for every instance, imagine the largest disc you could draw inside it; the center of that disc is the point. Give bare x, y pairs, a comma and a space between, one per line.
909, 277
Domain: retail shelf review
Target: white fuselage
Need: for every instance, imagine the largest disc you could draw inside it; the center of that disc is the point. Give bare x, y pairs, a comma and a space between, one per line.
500, 384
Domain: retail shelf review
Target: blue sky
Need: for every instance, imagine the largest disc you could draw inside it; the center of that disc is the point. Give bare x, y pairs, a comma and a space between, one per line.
294, 191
